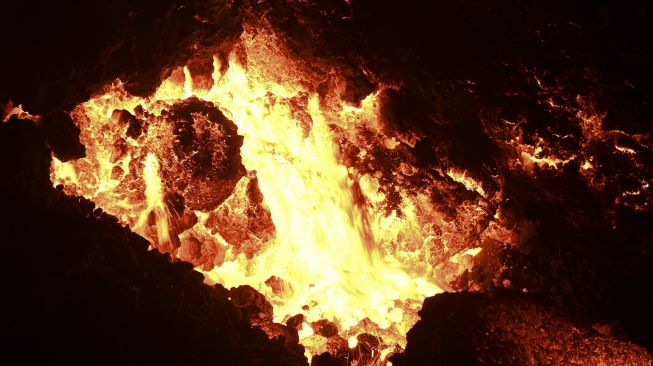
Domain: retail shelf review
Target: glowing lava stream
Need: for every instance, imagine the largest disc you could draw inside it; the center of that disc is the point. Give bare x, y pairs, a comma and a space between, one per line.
323, 248
336, 259
154, 199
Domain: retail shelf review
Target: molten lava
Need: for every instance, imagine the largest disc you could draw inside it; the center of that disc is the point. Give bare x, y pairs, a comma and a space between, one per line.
296, 223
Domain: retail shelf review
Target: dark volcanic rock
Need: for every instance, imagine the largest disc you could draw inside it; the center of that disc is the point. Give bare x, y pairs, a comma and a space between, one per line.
62, 53
507, 329
254, 306
326, 359
62, 136
205, 163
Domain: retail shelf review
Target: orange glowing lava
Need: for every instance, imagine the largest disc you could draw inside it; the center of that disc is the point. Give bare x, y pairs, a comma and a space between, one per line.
291, 225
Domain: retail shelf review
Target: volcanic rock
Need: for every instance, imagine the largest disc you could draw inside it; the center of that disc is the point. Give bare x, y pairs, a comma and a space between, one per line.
253, 305
325, 328
89, 45
62, 136
205, 163
507, 329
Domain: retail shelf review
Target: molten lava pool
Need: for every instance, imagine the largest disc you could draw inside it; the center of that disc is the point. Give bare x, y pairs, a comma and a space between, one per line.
246, 179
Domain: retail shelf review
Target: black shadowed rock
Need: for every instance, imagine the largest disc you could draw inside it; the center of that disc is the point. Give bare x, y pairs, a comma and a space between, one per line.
62, 136
62, 53
326, 359
505, 328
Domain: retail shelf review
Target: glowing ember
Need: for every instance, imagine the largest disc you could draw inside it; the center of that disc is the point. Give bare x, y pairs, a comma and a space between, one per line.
295, 223
10, 109
468, 182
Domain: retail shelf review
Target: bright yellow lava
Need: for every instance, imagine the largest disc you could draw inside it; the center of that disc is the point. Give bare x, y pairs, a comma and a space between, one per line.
324, 247
338, 258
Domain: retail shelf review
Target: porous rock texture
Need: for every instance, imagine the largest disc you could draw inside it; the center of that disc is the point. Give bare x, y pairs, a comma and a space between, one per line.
504, 328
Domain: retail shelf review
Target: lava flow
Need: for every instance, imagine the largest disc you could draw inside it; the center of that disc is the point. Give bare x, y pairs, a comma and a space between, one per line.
265, 200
